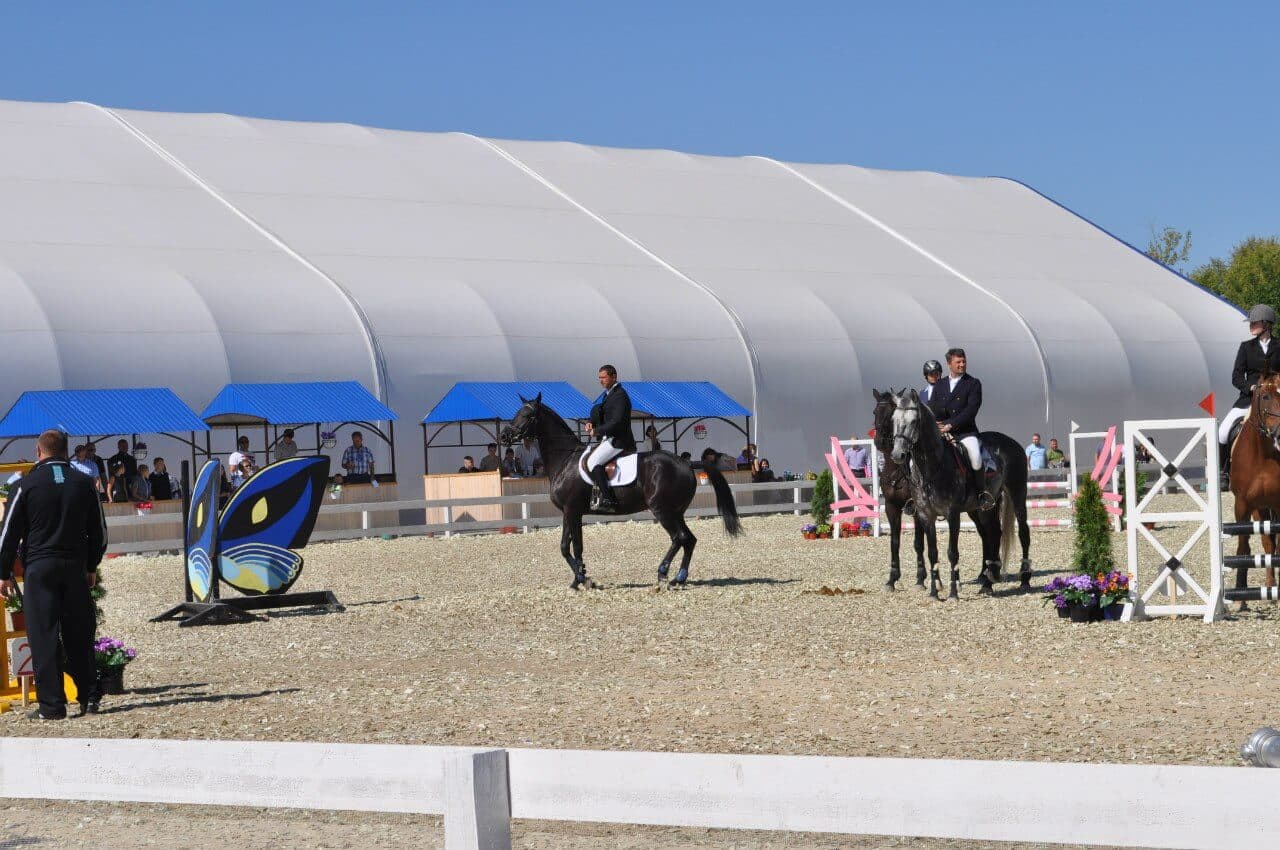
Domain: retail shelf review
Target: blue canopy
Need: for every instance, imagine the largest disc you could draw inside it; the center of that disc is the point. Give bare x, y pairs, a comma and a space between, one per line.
681, 399
472, 401
293, 404
151, 410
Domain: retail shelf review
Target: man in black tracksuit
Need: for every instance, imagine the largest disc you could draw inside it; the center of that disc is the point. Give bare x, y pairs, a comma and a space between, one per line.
55, 516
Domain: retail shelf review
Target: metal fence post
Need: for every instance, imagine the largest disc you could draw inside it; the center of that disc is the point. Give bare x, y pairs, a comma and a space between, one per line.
477, 801
524, 514
795, 498
448, 519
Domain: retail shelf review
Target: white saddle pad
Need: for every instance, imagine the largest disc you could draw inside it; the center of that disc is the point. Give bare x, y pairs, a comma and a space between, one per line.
624, 474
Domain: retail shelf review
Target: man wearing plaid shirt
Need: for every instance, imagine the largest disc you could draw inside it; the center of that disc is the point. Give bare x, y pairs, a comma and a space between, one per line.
357, 460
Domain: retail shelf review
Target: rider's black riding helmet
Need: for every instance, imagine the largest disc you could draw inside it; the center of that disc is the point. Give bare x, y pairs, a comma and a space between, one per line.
932, 367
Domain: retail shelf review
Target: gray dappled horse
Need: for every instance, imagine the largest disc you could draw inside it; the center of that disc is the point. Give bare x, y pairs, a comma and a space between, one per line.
895, 487
940, 486
664, 484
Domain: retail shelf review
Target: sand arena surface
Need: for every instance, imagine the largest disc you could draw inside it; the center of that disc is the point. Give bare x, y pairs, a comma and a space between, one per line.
479, 641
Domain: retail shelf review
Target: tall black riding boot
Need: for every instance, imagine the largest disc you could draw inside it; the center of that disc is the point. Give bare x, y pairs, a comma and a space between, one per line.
607, 501
1224, 465
985, 500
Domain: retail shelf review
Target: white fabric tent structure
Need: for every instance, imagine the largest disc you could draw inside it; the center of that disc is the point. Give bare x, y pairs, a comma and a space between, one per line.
183, 250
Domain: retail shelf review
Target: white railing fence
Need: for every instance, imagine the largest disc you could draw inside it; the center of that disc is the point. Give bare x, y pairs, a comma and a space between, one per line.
791, 497
479, 791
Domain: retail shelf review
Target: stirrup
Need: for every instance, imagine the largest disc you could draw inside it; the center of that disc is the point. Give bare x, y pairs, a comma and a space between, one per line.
602, 503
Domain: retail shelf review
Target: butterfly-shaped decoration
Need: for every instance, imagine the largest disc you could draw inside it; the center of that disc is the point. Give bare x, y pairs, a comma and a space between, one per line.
270, 514
202, 527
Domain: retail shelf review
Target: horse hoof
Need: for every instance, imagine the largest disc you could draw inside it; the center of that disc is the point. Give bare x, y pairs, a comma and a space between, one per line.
953, 598
682, 576
985, 590
933, 594
889, 586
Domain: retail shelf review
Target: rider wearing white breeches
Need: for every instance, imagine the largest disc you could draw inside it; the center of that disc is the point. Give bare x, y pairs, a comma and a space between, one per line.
611, 422
1255, 356
955, 401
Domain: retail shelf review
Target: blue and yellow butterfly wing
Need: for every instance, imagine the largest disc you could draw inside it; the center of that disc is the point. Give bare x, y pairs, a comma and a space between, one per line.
201, 538
273, 512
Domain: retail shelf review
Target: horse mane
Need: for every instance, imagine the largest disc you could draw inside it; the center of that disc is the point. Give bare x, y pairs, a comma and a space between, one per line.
554, 422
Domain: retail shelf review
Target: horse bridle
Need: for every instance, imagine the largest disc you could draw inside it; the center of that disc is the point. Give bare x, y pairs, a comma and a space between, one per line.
1272, 433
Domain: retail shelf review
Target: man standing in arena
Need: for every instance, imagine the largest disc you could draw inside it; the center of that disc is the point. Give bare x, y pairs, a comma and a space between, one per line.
955, 402
55, 516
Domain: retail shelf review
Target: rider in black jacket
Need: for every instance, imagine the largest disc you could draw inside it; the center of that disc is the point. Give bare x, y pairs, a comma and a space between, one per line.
611, 423
1255, 356
955, 402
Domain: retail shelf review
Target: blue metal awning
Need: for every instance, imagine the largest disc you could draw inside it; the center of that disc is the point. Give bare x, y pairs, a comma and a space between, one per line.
295, 404
476, 401
150, 410
681, 400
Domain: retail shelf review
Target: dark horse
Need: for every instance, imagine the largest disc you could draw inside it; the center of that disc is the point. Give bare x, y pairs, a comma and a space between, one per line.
940, 486
1255, 469
895, 486
664, 484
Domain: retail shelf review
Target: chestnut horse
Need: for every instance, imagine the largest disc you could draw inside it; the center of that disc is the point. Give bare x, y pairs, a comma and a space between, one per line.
1255, 469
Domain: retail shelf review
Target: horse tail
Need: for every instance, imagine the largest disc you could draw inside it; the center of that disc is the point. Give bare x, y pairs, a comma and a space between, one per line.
725, 505
1008, 526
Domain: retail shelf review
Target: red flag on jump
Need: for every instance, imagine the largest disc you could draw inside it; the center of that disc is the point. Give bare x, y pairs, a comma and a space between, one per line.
1206, 404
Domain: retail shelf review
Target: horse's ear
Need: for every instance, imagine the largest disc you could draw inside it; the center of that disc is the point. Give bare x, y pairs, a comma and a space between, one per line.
914, 396
876, 394
523, 400
539, 398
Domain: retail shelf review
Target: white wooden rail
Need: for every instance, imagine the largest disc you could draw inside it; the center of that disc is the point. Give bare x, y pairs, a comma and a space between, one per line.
797, 505
479, 791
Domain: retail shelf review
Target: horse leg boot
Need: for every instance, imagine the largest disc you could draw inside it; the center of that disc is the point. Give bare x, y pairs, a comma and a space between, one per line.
608, 502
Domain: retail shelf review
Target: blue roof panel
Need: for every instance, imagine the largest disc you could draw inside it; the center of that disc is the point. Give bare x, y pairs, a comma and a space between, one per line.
471, 401
681, 399
151, 410
291, 404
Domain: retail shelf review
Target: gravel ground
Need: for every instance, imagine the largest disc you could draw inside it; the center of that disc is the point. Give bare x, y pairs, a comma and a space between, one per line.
477, 640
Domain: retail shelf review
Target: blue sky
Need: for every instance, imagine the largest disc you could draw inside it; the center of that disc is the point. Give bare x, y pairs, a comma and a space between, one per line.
1134, 114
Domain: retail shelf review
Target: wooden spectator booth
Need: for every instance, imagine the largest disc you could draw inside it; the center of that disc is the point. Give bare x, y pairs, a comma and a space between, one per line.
322, 410
475, 411
99, 415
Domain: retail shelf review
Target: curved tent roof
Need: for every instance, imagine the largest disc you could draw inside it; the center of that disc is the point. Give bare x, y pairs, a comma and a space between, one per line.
193, 251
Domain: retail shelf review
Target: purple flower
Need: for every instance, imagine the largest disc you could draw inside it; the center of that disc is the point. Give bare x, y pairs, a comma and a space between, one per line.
1060, 601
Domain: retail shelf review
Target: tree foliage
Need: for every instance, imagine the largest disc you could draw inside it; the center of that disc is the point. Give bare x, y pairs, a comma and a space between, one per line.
823, 496
1250, 276
1169, 246
1092, 553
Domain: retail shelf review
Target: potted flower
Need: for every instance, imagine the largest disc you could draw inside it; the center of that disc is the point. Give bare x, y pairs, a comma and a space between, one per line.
1055, 592
848, 529
809, 531
328, 439
144, 508
825, 531
14, 606
1113, 592
112, 655
1082, 598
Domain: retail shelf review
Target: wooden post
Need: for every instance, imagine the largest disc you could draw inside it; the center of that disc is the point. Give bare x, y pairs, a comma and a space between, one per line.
477, 801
